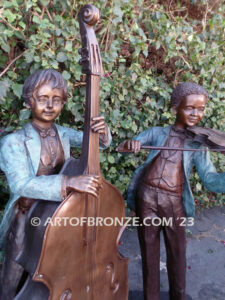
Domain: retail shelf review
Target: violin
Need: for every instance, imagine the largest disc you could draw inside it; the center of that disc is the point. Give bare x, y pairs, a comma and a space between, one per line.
211, 138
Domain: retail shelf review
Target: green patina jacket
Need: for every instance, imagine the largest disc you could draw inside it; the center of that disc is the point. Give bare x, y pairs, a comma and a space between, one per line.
19, 160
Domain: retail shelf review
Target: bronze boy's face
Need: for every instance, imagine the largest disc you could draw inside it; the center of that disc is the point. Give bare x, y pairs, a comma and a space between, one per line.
46, 104
190, 111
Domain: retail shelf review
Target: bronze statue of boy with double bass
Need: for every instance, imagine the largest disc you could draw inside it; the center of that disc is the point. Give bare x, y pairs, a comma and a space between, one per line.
31, 159
62, 261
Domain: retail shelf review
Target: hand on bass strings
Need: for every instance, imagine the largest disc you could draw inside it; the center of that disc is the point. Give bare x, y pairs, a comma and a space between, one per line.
99, 126
85, 183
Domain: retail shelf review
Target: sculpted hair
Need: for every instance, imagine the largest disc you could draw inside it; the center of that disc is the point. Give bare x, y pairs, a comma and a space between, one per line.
46, 76
185, 89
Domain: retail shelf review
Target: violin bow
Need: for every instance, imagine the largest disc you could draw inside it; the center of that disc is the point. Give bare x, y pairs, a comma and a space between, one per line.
122, 148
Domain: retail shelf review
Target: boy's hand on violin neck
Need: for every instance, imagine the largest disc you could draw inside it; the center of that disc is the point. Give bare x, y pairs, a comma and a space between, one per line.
129, 146
85, 183
99, 126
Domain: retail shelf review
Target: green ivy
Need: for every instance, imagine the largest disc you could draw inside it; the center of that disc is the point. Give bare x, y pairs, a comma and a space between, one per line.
147, 48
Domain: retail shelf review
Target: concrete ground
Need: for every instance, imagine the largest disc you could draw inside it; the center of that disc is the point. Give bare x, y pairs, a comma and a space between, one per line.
205, 258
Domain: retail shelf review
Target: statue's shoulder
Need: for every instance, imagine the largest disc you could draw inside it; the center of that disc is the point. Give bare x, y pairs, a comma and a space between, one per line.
70, 132
62, 128
15, 137
160, 129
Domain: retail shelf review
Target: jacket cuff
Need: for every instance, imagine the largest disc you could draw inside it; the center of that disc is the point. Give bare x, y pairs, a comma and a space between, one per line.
106, 141
63, 187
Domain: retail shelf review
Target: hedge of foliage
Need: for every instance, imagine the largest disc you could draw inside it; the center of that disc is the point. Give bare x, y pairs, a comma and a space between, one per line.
148, 46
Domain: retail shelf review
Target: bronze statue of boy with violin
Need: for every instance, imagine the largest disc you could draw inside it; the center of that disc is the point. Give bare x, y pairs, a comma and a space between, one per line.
31, 159
160, 188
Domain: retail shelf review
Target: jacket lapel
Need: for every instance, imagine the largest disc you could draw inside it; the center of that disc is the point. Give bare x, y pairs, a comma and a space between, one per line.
162, 137
64, 141
33, 144
188, 143
159, 140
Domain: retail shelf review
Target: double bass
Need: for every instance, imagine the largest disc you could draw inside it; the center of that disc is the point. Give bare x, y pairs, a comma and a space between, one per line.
81, 261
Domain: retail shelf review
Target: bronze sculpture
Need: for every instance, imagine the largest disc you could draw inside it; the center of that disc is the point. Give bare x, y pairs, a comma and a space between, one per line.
160, 187
31, 159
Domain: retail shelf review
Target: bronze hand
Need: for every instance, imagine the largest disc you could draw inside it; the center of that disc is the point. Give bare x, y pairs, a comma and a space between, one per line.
84, 183
129, 146
99, 126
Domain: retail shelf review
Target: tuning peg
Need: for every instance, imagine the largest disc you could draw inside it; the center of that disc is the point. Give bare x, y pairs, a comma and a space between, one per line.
83, 60
83, 51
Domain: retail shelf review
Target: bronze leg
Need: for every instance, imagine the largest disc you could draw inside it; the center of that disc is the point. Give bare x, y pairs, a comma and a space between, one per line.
11, 271
175, 243
149, 239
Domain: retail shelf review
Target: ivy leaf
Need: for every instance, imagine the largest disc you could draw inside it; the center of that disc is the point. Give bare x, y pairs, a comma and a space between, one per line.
145, 50
111, 159
36, 20
17, 89
190, 38
22, 24
198, 186
9, 15
7, 4
4, 86
54, 64
66, 75
61, 57
5, 47
29, 4
113, 170
134, 77
117, 11
45, 2
158, 45
68, 46
24, 114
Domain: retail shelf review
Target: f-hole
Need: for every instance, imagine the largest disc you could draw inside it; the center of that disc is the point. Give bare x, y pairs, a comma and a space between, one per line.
93, 54
98, 56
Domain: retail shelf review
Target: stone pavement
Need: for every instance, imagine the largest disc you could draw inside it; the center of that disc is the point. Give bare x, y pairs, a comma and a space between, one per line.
205, 258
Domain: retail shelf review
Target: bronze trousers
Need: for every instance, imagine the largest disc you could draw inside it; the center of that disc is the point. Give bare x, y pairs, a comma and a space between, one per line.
157, 208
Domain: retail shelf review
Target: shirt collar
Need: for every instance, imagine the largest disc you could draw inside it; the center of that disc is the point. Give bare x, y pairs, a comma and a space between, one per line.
44, 132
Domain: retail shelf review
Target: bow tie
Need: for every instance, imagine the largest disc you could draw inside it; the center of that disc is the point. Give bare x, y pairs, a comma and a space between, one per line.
49, 132
45, 132
178, 130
